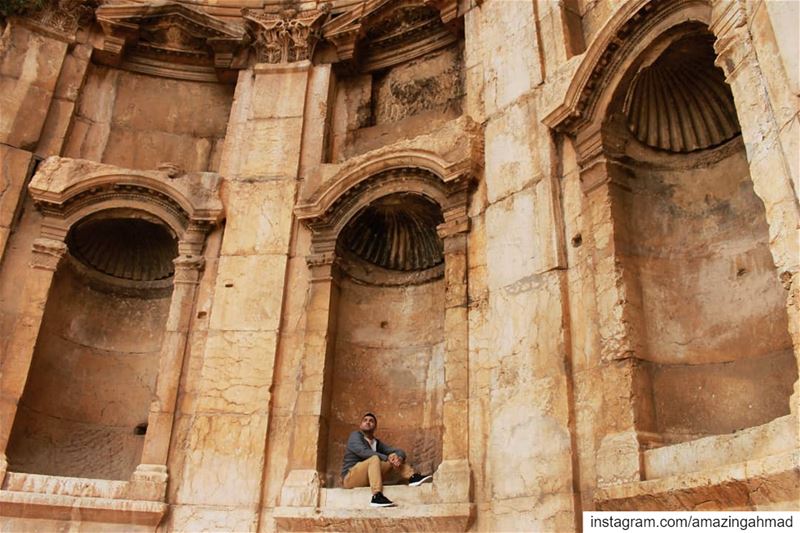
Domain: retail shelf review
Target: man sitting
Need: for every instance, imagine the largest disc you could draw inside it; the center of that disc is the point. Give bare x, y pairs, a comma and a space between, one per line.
370, 462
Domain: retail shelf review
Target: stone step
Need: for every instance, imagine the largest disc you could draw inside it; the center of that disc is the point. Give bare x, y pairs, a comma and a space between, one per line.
435, 517
359, 498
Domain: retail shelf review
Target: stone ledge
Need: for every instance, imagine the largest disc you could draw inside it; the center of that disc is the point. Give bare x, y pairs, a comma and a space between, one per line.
433, 517
749, 485
774, 438
106, 489
62, 507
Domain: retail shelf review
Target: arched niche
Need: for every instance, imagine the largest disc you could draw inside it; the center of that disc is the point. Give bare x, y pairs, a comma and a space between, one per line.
692, 318
109, 299
388, 285
84, 409
388, 352
693, 234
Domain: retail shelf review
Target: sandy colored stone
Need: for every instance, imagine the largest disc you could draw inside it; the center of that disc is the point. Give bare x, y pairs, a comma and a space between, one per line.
613, 326
259, 219
245, 296
236, 373
211, 441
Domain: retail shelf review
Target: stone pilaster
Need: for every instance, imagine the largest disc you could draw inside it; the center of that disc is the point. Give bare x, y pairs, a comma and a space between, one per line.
310, 429
230, 424
767, 153
618, 302
46, 256
153, 469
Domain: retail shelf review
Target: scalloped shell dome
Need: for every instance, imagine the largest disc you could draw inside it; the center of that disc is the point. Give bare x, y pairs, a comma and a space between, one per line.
681, 102
125, 248
397, 232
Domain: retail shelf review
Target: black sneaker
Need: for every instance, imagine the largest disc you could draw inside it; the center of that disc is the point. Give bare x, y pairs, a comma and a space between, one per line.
418, 479
379, 500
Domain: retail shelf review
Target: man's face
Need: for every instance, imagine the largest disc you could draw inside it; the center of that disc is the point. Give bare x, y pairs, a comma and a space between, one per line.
368, 424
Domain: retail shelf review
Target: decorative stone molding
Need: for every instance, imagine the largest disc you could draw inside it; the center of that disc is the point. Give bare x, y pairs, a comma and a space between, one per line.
382, 33
67, 190
287, 36
168, 39
606, 56
333, 210
62, 18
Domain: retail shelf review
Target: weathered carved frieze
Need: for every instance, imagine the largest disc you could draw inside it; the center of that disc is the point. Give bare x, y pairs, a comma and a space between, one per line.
381, 33
60, 18
169, 33
287, 36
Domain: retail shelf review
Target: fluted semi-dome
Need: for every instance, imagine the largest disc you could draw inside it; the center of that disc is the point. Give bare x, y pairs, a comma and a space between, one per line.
126, 248
681, 102
397, 232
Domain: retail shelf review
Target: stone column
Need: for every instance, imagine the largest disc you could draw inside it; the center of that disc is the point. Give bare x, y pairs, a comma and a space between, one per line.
47, 254
767, 153
310, 430
260, 162
150, 477
453, 475
618, 304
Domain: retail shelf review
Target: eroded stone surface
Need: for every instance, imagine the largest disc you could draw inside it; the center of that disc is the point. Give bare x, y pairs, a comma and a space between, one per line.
610, 320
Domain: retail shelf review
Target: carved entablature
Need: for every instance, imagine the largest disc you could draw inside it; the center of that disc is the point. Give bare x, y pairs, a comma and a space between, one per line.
67, 190
382, 33
61, 18
168, 39
287, 36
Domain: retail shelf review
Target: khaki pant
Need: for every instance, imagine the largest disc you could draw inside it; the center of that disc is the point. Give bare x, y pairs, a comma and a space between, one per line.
372, 472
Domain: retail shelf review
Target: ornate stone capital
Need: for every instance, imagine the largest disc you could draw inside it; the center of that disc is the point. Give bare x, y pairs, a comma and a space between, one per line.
64, 17
285, 37
47, 253
733, 44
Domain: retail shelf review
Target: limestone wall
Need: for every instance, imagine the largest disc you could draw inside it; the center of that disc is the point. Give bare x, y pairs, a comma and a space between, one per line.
91, 380
615, 325
123, 119
400, 102
390, 338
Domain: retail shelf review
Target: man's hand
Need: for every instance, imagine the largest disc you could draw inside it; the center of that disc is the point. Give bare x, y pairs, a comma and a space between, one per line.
395, 460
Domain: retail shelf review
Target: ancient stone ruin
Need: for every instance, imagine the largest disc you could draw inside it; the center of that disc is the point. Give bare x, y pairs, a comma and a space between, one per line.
552, 244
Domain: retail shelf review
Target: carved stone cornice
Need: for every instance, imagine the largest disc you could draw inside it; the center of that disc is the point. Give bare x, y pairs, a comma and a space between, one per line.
188, 269
382, 33
285, 37
164, 34
733, 43
62, 18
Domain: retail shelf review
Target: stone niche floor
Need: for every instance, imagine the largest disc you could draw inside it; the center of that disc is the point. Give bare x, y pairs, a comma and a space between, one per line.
443, 505
348, 509
44, 497
756, 468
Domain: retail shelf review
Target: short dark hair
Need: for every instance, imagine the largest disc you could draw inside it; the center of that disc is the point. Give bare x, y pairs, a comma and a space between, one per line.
375, 418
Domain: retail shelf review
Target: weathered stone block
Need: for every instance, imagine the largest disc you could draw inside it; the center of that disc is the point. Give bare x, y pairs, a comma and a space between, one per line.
249, 293
259, 216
